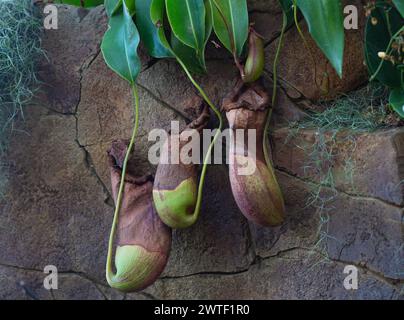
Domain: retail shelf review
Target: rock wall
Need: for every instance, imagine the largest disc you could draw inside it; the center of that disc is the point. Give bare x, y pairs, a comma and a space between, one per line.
57, 209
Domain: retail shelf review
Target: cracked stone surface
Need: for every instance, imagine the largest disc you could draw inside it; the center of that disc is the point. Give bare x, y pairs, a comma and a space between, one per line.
367, 232
18, 284
75, 42
57, 208
301, 225
294, 274
364, 154
361, 230
54, 208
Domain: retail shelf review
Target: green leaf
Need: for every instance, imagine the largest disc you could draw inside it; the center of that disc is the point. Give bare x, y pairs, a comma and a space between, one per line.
148, 31
400, 6
112, 6
82, 3
326, 25
397, 100
287, 8
377, 38
187, 55
157, 11
130, 4
230, 22
182, 52
120, 43
208, 21
187, 21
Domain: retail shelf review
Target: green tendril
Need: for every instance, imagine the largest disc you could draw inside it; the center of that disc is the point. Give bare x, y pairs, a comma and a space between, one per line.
219, 129
109, 272
274, 92
388, 50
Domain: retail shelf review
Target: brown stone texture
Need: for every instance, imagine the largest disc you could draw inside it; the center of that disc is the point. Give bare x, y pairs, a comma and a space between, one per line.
304, 69
57, 208
376, 160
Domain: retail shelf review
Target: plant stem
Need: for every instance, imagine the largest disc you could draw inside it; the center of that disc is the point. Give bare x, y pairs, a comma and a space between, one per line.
205, 162
239, 66
275, 84
109, 272
373, 77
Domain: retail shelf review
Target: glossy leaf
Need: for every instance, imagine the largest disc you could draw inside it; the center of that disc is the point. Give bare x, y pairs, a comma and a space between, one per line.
157, 11
287, 8
120, 44
208, 32
326, 25
112, 6
187, 55
400, 6
182, 52
397, 101
82, 3
187, 21
230, 22
377, 38
208, 21
148, 31
201, 67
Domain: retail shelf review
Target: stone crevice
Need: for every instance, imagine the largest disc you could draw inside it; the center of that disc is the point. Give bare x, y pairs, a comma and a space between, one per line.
67, 272
84, 67
256, 261
27, 291
282, 83
282, 254
164, 103
99, 290
148, 295
396, 284
276, 37
351, 195
250, 247
345, 246
90, 166
87, 157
